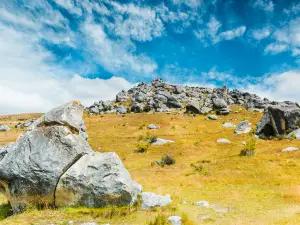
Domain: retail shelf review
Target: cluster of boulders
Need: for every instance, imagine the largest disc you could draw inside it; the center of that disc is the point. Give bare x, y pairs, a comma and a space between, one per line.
52, 164
159, 96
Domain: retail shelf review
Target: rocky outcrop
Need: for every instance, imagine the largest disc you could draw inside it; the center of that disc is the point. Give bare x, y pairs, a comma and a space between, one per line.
159, 96
279, 119
53, 162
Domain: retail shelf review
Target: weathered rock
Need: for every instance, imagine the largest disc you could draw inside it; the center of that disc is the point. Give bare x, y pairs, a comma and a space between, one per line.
4, 128
151, 200
193, 107
290, 149
175, 220
228, 125
138, 107
243, 127
24, 124
140, 97
205, 110
122, 96
152, 126
212, 117
161, 141
69, 114
53, 158
219, 103
202, 204
121, 110
279, 119
294, 134
223, 141
97, 180
34, 164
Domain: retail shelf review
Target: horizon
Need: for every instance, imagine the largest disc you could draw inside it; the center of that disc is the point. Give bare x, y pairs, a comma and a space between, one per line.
59, 50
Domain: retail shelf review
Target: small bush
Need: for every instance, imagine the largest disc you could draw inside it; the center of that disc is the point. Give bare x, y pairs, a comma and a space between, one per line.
150, 138
142, 148
293, 136
250, 148
202, 167
165, 160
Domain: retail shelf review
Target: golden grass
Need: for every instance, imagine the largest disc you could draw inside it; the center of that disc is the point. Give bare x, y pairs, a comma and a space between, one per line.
260, 189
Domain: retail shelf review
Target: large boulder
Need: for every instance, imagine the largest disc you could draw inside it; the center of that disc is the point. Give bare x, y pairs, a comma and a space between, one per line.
97, 180
44, 159
279, 119
34, 164
122, 96
69, 114
243, 127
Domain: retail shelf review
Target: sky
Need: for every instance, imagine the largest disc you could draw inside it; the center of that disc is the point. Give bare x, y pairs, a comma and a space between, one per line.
53, 51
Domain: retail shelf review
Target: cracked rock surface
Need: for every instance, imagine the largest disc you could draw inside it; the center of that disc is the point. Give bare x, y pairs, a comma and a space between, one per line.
52, 151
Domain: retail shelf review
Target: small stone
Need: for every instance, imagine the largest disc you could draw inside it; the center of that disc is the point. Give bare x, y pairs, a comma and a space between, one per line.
160, 141
153, 126
228, 125
202, 204
223, 141
212, 117
151, 200
175, 220
243, 127
290, 149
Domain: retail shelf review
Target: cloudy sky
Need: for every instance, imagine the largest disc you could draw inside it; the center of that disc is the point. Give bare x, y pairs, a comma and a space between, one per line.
57, 50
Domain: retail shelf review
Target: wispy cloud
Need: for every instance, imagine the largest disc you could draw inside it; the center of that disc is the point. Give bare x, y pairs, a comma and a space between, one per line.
260, 34
266, 5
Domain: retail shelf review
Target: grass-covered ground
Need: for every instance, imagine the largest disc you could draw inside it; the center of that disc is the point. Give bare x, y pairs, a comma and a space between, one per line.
261, 189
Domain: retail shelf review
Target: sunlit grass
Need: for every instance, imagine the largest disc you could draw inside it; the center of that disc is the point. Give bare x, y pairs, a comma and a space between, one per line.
261, 189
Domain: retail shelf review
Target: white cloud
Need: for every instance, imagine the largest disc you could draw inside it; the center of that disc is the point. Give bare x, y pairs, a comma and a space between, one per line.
296, 52
140, 24
231, 34
283, 86
114, 56
190, 3
266, 5
275, 48
210, 33
260, 34
30, 84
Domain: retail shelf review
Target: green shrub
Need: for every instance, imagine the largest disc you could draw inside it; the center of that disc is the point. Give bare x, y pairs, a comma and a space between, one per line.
160, 219
250, 148
165, 160
142, 148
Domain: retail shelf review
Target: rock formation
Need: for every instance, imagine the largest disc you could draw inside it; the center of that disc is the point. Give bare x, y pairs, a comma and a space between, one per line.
52, 164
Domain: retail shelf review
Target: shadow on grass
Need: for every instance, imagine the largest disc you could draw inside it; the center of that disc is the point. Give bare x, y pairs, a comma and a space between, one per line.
5, 211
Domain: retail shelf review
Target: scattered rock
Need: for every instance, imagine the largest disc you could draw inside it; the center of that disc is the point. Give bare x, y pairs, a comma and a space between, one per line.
152, 126
151, 200
228, 125
160, 141
223, 141
25, 124
202, 204
175, 220
4, 128
243, 127
290, 149
212, 117
121, 110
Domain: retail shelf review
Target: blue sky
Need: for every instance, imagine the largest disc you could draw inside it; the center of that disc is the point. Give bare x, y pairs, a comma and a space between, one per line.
57, 50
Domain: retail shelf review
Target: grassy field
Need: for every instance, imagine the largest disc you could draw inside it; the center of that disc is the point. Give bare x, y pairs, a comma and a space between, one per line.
261, 189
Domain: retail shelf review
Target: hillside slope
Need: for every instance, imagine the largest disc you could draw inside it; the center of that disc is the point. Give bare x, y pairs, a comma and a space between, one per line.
261, 189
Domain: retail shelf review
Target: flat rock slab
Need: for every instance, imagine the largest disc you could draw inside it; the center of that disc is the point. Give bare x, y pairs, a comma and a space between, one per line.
223, 141
290, 149
151, 200
160, 141
175, 220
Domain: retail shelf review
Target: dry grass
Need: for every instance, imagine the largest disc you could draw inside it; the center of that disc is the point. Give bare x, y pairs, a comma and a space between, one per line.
260, 189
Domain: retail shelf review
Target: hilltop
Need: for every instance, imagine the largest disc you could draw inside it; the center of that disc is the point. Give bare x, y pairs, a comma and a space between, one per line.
210, 183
